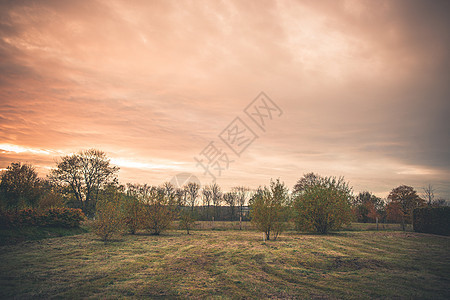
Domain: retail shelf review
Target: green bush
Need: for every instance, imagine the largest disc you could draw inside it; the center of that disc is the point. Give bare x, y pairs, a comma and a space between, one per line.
434, 220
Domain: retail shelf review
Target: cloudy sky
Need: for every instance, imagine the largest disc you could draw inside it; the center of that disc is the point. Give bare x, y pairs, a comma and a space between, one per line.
362, 89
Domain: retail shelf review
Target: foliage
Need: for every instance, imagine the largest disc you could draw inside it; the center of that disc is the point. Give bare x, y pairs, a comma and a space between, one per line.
52, 195
394, 212
269, 209
324, 205
86, 173
109, 214
432, 220
133, 210
407, 200
19, 187
52, 217
306, 181
367, 206
159, 210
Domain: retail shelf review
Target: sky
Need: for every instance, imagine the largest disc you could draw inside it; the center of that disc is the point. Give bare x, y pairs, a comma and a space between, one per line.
358, 89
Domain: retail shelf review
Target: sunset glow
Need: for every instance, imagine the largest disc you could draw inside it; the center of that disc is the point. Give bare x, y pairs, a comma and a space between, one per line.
363, 87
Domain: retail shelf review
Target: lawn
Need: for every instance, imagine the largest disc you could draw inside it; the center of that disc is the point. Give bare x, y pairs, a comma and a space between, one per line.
230, 264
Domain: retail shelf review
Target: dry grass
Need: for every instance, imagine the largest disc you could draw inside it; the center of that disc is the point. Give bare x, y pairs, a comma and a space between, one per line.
230, 264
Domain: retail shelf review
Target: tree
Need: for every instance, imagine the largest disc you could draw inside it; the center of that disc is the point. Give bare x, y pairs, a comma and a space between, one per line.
133, 208
51, 195
428, 194
323, 205
407, 199
207, 196
230, 199
180, 195
216, 196
242, 194
19, 187
306, 181
192, 189
159, 209
269, 209
367, 206
86, 172
394, 212
109, 214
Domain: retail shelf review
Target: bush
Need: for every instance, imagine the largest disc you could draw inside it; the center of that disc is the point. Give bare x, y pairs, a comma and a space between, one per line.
52, 217
434, 220
61, 217
159, 211
109, 216
133, 210
187, 219
323, 205
270, 209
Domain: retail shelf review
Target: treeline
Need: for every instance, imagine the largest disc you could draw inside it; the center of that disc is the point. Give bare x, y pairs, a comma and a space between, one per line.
86, 180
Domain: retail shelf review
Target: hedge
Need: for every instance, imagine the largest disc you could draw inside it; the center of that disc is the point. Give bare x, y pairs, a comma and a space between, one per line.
434, 220
52, 217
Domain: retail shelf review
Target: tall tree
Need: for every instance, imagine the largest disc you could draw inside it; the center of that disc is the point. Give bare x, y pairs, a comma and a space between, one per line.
367, 206
86, 172
192, 189
242, 194
207, 198
19, 187
428, 194
230, 199
216, 197
407, 199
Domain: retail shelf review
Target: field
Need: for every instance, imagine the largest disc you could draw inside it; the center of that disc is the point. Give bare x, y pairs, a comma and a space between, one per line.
224, 263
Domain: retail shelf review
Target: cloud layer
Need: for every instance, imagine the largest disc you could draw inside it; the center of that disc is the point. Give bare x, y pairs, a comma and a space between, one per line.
363, 86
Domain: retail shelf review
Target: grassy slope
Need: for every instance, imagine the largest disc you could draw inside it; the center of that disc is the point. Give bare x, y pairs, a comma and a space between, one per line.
231, 264
14, 236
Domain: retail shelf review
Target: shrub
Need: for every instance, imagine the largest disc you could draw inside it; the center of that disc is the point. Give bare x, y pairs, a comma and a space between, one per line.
52, 217
159, 211
109, 215
133, 213
434, 220
187, 219
270, 208
61, 217
323, 205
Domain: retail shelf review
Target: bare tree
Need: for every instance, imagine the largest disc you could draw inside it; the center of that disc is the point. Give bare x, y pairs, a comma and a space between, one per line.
242, 194
86, 172
192, 189
216, 196
207, 197
428, 194
230, 199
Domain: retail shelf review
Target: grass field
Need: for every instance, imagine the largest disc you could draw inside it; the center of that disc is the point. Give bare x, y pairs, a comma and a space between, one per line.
230, 264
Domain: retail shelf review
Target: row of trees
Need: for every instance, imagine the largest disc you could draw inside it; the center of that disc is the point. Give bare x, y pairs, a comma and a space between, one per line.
88, 181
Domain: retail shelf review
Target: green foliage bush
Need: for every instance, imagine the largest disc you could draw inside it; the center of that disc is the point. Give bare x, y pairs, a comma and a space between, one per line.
270, 209
323, 205
434, 220
52, 217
